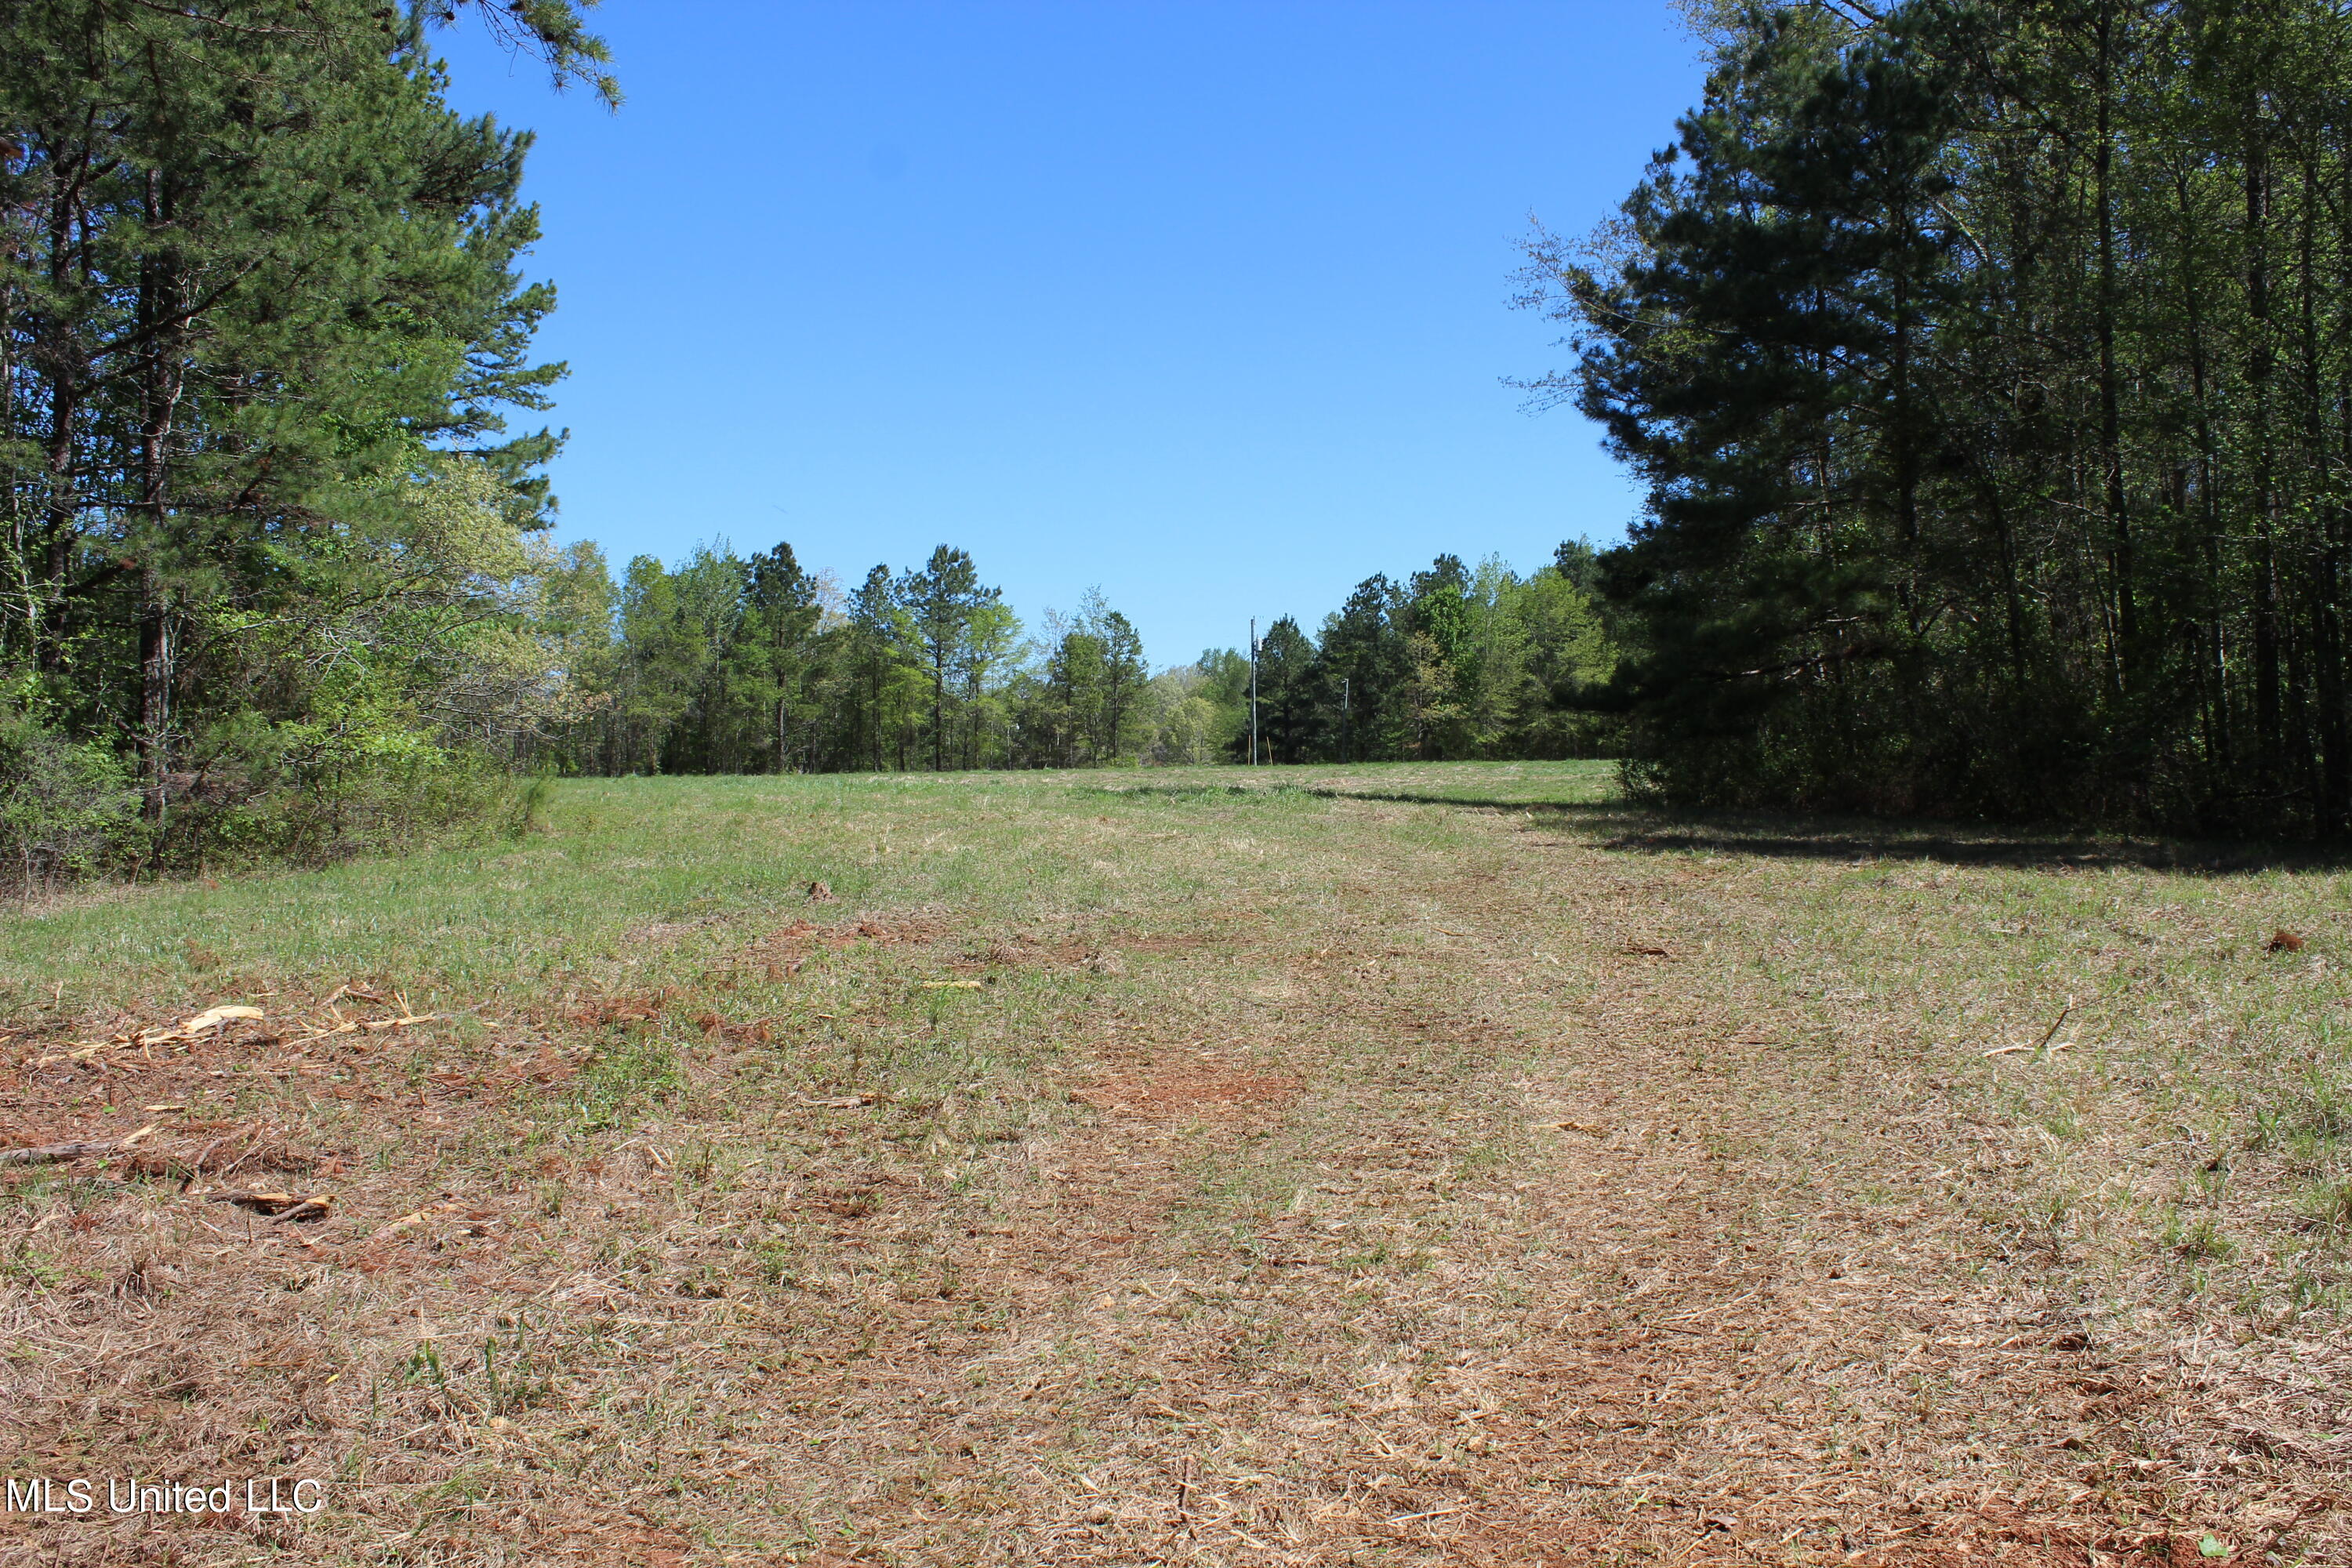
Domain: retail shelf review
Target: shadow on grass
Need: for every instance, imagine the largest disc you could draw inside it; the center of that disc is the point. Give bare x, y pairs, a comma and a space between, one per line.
1185, 792
1621, 825
1955, 843
1328, 792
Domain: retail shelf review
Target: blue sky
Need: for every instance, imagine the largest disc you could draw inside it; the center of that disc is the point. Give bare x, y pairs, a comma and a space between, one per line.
1205, 303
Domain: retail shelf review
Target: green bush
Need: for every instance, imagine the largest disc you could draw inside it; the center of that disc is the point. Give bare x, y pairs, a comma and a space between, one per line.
311, 794
250, 792
66, 809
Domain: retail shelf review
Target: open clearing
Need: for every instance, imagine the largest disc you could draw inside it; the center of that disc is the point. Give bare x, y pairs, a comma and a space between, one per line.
1390, 1164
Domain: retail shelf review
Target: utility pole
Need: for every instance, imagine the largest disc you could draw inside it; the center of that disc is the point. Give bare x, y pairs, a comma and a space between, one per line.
1343, 720
1253, 691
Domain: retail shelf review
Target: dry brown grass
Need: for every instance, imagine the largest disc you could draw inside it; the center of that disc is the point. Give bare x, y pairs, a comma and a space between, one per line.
1263, 1179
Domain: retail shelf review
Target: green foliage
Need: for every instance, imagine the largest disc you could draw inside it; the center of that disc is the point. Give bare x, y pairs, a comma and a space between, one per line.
1455, 663
725, 665
65, 808
1988, 366
326, 788
728, 665
265, 532
1079, 706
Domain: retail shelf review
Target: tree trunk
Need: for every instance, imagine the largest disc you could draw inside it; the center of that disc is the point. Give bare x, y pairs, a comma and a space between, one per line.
2111, 456
159, 392
2268, 738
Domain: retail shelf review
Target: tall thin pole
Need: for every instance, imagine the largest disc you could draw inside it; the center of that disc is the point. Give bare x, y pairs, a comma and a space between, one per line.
1253, 691
1343, 718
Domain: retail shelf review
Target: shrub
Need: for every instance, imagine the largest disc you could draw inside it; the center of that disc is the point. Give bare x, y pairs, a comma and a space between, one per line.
312, 793
65, 808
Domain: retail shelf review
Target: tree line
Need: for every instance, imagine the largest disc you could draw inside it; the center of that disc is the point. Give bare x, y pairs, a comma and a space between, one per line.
1989, 366
1449, 663
733, 664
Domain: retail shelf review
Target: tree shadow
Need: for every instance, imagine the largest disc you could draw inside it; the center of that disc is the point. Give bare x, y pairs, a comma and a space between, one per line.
1622, 825
1477, 802
1191, 792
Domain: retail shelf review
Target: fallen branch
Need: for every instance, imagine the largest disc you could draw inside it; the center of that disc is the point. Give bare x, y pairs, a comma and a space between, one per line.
342, 1026
55, 1153
2046, 1034
210, 1020
51, 1153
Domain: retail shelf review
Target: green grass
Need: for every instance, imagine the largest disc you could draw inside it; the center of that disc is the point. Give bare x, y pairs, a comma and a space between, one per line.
465, 927
988, 1175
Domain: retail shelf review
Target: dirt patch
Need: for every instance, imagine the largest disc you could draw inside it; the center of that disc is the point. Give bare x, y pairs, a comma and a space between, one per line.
1170, 943
782, 953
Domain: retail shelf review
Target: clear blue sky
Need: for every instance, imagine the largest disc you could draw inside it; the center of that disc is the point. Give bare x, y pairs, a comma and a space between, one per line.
1205, 303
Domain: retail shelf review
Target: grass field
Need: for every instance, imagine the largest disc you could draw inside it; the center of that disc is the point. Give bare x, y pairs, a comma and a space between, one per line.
1383, 1165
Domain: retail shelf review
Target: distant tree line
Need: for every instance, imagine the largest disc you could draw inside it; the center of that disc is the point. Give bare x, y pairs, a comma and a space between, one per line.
732, 664
1989, 364
1448, 663
735, 665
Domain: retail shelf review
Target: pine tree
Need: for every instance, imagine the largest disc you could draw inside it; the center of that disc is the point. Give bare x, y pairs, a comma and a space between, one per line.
942, 601
262, 288
1288, 688
1987, 365
878, 637
784, 615
1363, 645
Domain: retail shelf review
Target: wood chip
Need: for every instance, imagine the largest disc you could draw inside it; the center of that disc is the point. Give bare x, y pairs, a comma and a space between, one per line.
210, 1018
418, 1216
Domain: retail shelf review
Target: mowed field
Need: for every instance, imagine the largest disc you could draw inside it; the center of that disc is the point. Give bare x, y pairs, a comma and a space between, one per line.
1385, 1164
